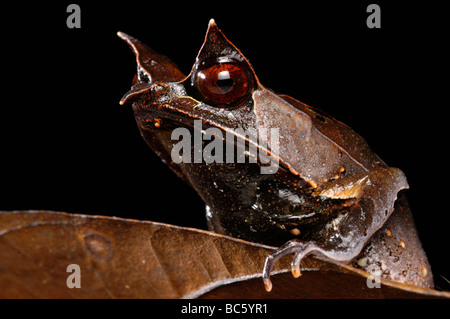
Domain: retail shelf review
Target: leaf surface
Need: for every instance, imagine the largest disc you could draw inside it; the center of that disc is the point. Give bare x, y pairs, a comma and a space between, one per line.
124, 258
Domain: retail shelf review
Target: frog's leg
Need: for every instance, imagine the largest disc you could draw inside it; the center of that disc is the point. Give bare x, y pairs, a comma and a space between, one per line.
343, 238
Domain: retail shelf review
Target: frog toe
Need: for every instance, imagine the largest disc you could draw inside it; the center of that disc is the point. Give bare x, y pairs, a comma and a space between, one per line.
299, 248
295, 265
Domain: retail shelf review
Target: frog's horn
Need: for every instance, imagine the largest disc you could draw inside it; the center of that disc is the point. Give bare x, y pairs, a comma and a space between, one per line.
151, 66
216, 45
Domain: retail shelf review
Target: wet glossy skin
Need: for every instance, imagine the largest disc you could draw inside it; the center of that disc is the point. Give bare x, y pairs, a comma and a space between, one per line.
331, 195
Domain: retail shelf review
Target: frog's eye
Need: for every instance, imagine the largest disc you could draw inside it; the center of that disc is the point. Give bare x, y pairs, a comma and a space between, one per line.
223, 84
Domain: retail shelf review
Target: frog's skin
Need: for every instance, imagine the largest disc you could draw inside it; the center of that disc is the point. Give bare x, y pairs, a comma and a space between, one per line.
331, 194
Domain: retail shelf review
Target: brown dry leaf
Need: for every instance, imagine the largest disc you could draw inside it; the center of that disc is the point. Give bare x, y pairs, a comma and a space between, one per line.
123, 258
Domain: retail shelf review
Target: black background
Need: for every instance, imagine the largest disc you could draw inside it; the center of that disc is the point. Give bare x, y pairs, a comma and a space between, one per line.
67, 145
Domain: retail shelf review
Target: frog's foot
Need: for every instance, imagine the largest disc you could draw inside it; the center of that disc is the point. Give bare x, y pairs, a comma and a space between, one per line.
299, 248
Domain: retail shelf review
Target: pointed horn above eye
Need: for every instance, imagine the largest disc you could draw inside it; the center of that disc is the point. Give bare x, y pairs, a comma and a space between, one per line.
216, 47
152, 66
216, 44
212, 22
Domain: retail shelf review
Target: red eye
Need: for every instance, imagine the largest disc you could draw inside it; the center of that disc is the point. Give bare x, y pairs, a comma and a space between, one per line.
224, 84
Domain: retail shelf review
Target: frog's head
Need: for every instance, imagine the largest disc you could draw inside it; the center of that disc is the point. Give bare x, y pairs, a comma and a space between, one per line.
219, 92
223, 92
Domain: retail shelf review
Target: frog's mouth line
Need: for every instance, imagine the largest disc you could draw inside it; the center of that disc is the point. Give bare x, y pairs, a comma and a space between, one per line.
198, 142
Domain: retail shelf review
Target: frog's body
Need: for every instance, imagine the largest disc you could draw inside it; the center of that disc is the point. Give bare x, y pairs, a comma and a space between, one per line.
329, 191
